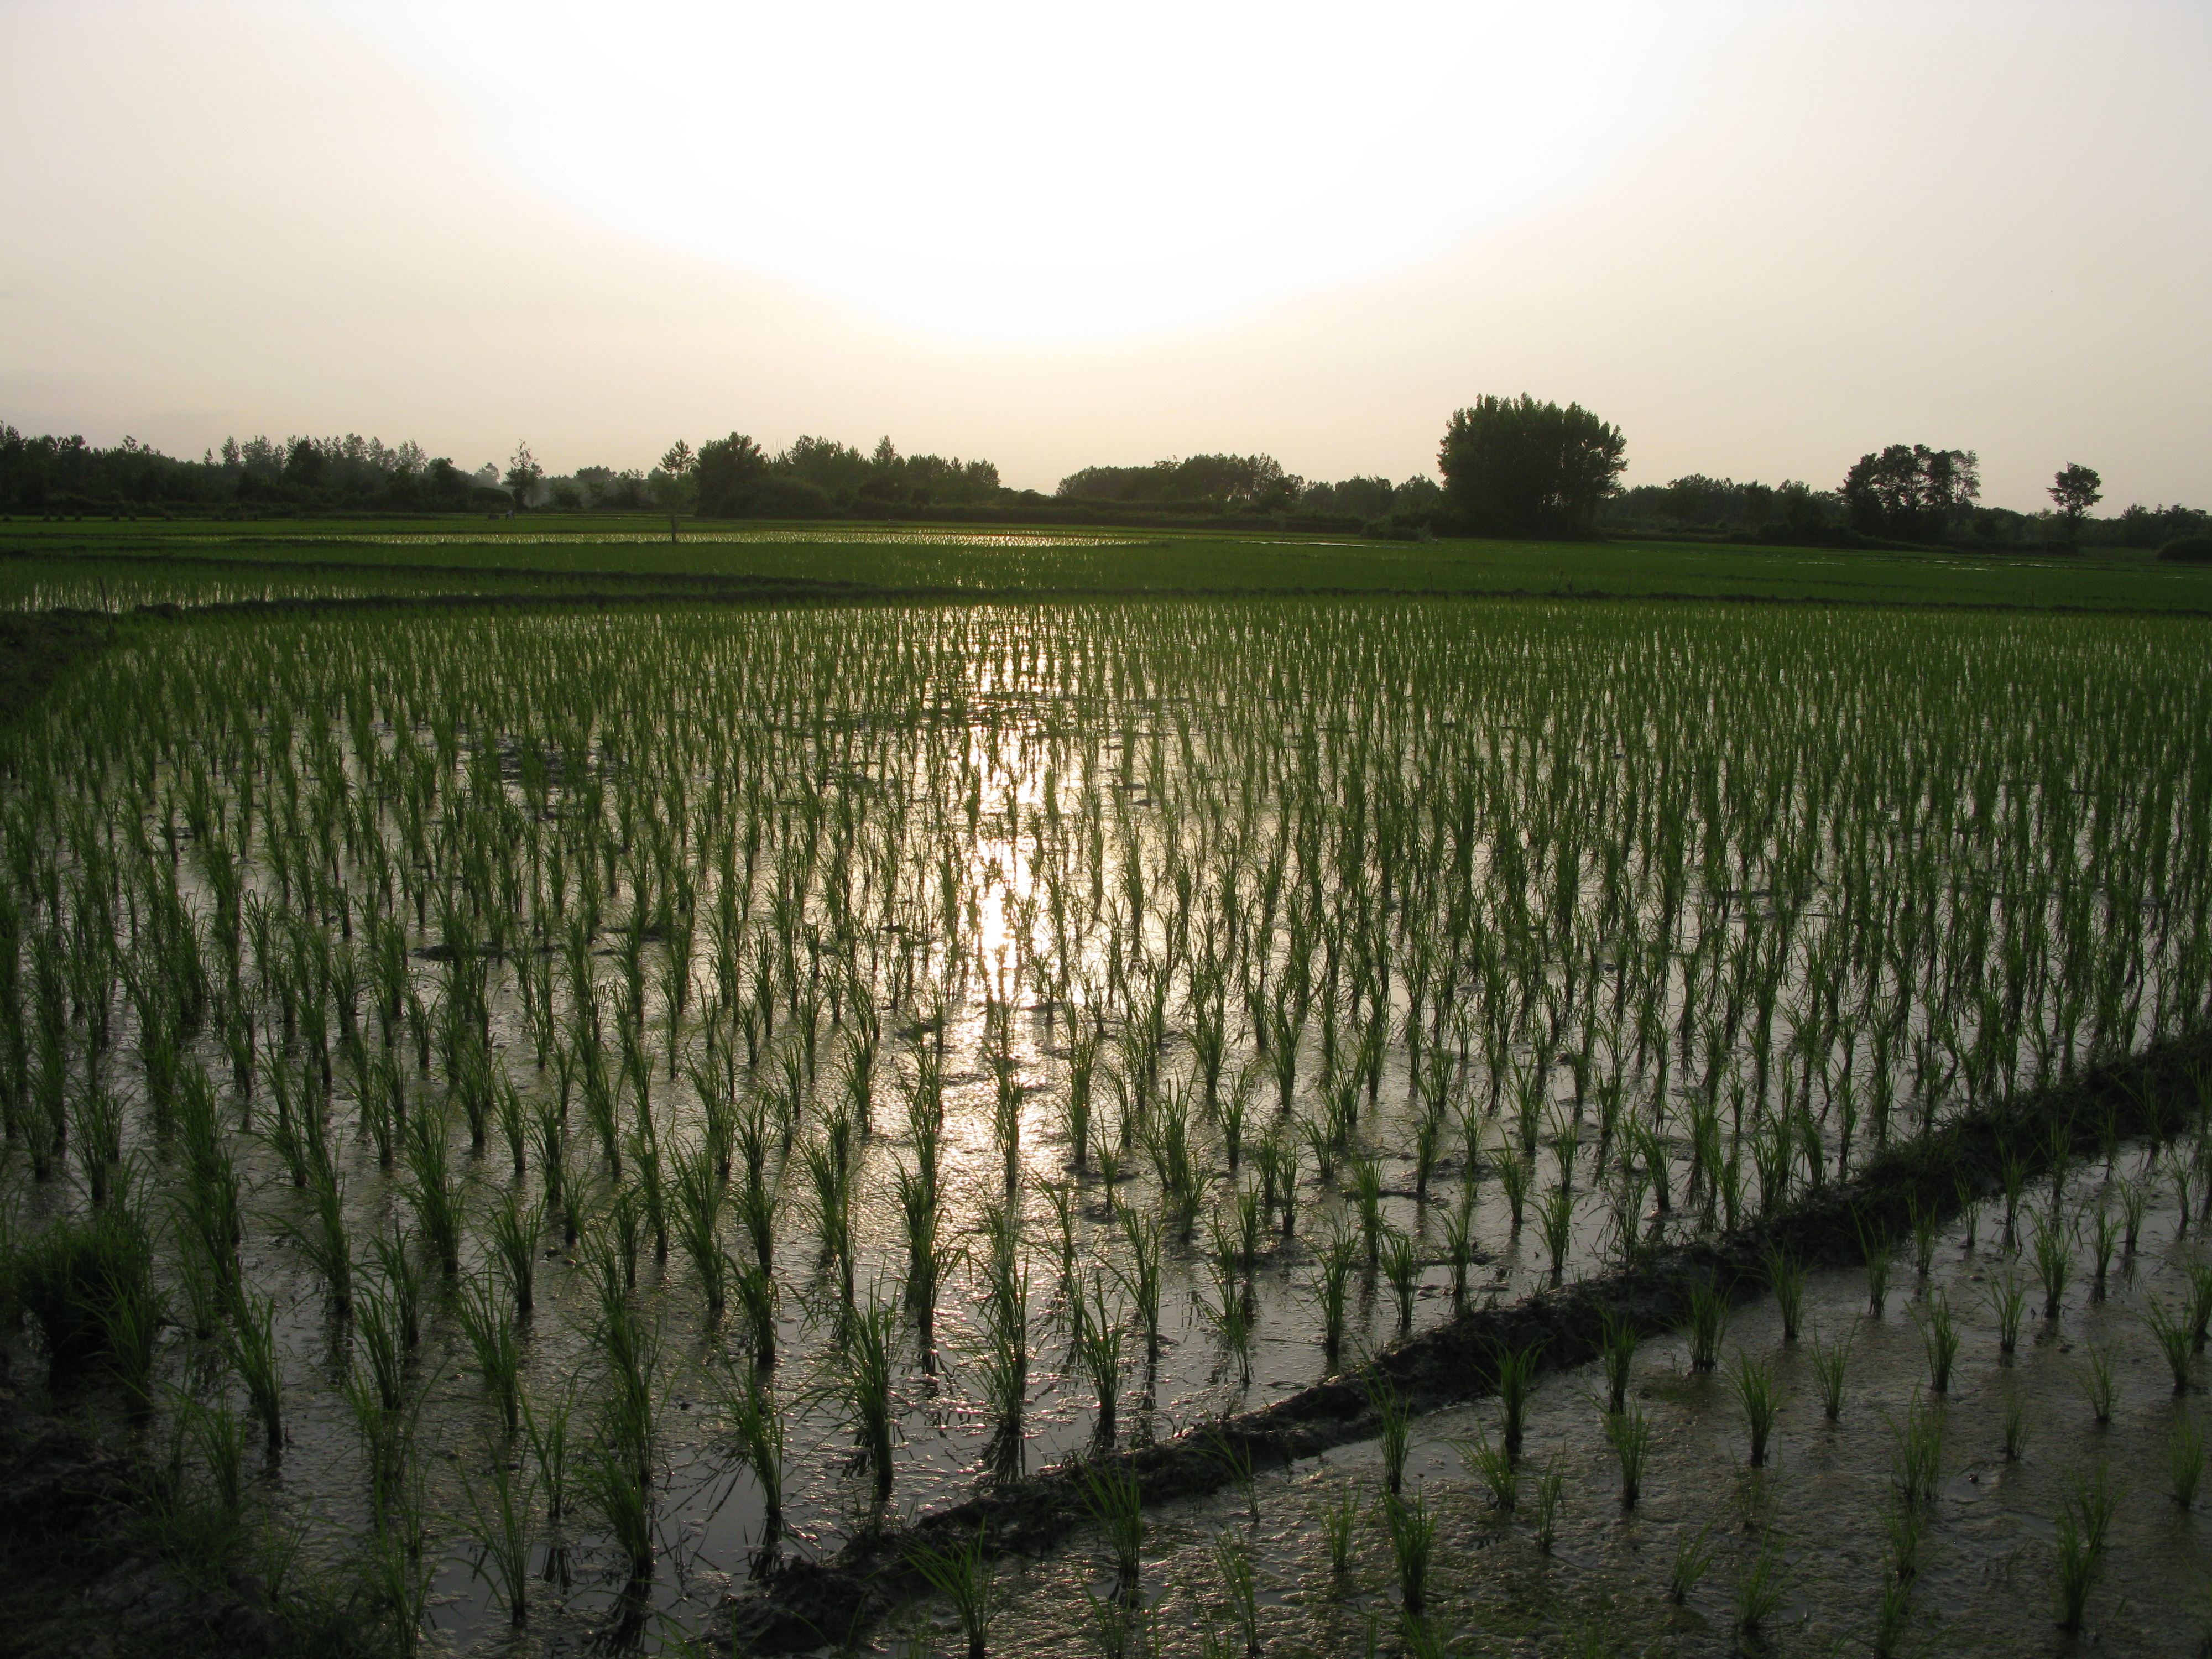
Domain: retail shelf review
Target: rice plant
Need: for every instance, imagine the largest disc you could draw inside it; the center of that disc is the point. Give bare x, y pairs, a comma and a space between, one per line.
1711, 1313
1116, 1504
2015, 1426
1939, 1339
2007, 1299
1340, 1525
2185, 1460
1831, 1366
249, 1344
962, 1574
615, 1489
515, 1230
1550, 1485
1759, 1395
1693, 1558
1402, 1265
499, 1523
489, 1328
1917, 1465
1759, 1590
2100, 1384
2170, 1329
1786, 1277
1491, 1467
1412, 1525
757, 1421
1516, 1379
1395, 1423
2054, 1255
1630, 1436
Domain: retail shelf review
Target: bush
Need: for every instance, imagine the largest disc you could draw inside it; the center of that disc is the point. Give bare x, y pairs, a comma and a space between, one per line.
2188, 549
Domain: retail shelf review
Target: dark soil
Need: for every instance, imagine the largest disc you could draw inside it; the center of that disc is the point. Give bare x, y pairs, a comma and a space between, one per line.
82, 1571
804, 1604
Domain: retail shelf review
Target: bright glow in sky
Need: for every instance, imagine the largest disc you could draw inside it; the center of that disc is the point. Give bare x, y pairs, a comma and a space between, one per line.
1764, 238
1002, 168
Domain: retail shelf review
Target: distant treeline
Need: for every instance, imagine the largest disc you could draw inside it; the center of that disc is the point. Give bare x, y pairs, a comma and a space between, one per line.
52, 475
1904, 494
1212, 484
1879, 509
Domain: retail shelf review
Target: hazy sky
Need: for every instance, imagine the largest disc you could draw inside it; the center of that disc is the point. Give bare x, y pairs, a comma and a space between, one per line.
1762, 238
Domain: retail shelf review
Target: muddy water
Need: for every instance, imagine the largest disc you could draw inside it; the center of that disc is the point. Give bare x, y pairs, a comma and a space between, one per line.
1986, 1581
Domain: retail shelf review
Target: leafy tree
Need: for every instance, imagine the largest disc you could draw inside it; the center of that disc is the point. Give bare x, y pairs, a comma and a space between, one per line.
1516, 467
2076, 490
1911, 492
1241, 481
724, 474
523, 473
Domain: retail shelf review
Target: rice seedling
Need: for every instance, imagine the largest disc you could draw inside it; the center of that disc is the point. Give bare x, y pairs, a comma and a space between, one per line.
2074, 1574
249, 1344
1330, 1287
1786, 1277
1918, 1466
1759, 1395
499, 1523
1490, 1467
432, 1191
1515, 1177
1516, 1379
491, 1332
1459, 1251
1877, 1250
1904, 1528
1367, 1193
2008, 1301
962, 1574
1693, 1558
545, 1431
757, 1421
1098, 1343
1618, 1346
1831, 1365
2100, 1384
1555, 1221
1395, 1428
2015, 1426
1402, 1265
2054, 1252
2185, 1460
1923, 1219
1551, 1484
1116, 1504
615, 1489
1340, 1525
2200, 1302
2170, 1329
1630, 1436
2104, 1238
1939, 1339
1711, 1313
515, 1230
2135, 1206
1759, 1591
862, 1383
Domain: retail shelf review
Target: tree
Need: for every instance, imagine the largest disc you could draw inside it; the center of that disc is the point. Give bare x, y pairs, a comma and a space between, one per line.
2076, 490
724, 475
670, 482
1911, 492
523, 473
1516, 467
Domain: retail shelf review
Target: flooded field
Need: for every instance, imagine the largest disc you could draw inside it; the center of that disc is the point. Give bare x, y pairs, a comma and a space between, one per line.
565, 1113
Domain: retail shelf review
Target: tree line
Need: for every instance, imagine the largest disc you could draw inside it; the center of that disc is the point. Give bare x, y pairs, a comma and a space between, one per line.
1509, 466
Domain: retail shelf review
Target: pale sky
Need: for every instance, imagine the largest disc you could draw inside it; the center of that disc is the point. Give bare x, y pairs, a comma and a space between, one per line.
1762, 238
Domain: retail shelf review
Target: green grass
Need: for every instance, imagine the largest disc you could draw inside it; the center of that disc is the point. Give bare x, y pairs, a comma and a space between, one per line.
569, 554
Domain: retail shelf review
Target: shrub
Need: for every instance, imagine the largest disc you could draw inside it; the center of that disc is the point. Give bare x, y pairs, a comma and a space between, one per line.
2188, 549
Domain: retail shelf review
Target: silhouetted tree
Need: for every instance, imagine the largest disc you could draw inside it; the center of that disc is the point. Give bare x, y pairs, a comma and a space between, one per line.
2076, 490
1910, 491
1516, 467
